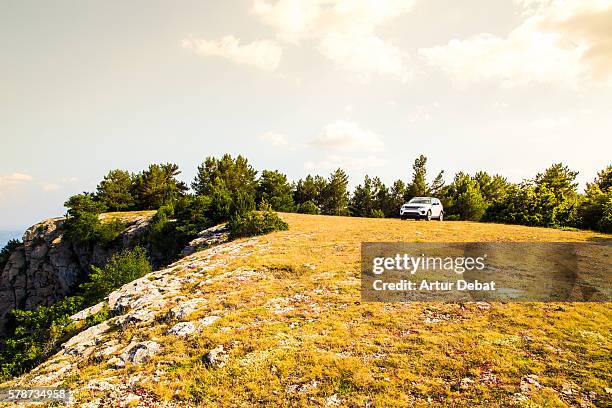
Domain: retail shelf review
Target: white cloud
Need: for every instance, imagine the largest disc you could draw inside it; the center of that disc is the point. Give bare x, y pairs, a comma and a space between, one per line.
12, 181
15, 178
567, 42
365, 55
275, 139
334, 161
291, 18
419, 115
422, 113
344, 30
550, 123
295, 20
347, 136
263, 54
50, 187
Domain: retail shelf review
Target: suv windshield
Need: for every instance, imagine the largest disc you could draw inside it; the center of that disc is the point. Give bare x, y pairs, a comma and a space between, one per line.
420, 201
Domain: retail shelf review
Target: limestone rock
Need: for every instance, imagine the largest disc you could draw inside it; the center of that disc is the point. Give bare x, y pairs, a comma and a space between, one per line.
208, 320
529, 382
216, 358
332, 401
85, 340
90, 311
463, 384
116, 362
182, 329
183, 309
141, 352
216, 235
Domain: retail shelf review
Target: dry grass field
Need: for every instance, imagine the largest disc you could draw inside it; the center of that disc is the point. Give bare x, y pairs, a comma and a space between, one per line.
295, 332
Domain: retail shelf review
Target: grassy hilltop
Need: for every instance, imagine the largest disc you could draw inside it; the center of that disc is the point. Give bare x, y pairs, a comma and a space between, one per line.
294, 332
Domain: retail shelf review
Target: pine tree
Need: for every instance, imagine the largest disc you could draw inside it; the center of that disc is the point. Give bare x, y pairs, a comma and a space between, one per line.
335, 194
437, 187
465, 199
493, 189
237, 175
396, 198
273, 188
382, 199
158, 185
309, 189
362, 200
115, 190
596, 211
559, 179
418, 187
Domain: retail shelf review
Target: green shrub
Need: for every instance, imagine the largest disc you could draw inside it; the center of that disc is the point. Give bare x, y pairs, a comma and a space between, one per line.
192, 215
309, 207
35, 335
108, 232
221, 202
86, 228
376, 213
83, 225
101, 316
256, 223
163, 238
82, 228
605, 223
122, 268
178, 222
6, 251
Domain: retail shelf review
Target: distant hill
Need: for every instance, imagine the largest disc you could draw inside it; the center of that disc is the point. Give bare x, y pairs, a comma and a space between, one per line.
7, 235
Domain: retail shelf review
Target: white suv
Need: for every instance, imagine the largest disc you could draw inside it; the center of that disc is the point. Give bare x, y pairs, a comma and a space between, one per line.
422, 207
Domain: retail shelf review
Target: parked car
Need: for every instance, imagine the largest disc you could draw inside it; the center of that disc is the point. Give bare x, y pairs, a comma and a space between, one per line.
422, 208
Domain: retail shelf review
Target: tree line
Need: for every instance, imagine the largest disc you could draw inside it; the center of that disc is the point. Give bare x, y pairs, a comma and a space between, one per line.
229, 185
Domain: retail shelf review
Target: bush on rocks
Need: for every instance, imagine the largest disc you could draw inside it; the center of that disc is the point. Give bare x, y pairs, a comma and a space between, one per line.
256, 223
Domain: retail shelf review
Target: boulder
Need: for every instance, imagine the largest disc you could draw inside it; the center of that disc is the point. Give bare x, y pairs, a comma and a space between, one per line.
215, 358
208, 320
183, 309
182, 329
212, 236
141, 352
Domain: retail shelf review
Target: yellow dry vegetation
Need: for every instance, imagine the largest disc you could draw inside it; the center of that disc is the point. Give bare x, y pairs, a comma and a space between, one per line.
296, 332
126, 216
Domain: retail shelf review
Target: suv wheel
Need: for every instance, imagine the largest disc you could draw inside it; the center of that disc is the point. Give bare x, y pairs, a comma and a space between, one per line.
441, 218
428, 215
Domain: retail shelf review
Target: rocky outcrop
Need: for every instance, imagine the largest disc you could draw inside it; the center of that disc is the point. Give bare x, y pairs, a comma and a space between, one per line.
47, 267
172, 297
216, 235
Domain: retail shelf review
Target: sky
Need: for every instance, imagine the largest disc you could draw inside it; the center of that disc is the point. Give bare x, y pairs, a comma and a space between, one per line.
302, 86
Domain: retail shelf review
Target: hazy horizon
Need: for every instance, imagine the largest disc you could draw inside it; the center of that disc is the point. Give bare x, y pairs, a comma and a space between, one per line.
300, 86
